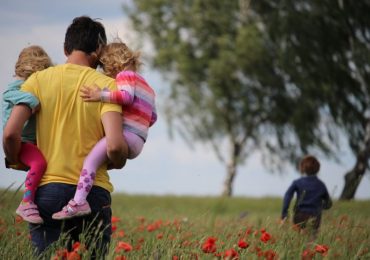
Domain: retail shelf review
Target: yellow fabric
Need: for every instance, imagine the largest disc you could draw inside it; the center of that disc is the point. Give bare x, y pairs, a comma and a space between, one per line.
67, 127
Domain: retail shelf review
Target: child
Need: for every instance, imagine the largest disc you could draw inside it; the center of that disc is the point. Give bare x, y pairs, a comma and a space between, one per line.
138, 105
312, 196
30, 60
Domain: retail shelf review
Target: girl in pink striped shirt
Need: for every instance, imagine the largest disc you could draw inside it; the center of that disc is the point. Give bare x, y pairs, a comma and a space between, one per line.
138, 109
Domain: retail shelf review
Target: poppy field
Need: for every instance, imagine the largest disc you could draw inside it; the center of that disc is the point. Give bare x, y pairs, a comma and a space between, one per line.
170, 227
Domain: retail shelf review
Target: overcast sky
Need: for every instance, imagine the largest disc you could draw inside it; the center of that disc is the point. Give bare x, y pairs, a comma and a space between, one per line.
165, 166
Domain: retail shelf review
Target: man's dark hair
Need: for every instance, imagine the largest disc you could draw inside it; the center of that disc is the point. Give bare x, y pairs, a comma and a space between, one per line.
84, 34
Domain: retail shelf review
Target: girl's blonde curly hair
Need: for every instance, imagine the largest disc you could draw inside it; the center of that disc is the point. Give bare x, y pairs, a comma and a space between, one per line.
116, 57
30, 60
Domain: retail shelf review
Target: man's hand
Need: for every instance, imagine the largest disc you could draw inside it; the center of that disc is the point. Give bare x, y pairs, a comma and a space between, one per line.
90, 94
13, 130
19, 166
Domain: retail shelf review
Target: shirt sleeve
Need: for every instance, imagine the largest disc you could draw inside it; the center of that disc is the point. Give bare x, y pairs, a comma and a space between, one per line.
17, 97
326, 201
26, 95
30, 85
125, 94
110, 107
287, 199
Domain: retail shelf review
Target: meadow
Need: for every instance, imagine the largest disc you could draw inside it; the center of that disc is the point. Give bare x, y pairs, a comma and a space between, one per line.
170, 227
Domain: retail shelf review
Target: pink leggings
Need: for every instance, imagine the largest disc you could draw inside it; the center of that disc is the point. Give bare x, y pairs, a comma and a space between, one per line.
97, 157
32, 157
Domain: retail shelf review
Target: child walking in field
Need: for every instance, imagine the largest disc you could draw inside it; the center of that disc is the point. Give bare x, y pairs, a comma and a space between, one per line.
138, 108
30, 60
312, 196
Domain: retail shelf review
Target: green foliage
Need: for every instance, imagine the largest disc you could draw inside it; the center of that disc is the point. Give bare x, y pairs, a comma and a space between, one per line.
160, 227
226, 83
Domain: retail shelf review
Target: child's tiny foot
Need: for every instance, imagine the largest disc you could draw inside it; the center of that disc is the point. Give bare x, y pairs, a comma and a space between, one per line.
72, 209
29, 212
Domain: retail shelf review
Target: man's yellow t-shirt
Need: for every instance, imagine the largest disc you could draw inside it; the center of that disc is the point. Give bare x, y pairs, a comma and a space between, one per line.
67, 127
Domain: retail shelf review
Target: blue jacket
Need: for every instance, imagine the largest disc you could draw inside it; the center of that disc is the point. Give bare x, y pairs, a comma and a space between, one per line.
312, 196
13, 96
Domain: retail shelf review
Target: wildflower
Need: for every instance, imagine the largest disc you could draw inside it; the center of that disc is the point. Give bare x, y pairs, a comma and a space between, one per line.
123, 246
265, 237
242, 243
209, 246
73, 256
322, 249
120, 257
308, 254
114, 228
121, 233
18, 219
141, 219
231, 254
61, 253
270, 254
115, 219
77, 246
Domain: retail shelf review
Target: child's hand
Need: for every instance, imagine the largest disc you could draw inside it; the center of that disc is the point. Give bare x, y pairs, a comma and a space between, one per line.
90, 93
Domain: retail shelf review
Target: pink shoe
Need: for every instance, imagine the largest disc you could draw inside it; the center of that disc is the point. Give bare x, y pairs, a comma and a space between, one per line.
72, 209
29, 212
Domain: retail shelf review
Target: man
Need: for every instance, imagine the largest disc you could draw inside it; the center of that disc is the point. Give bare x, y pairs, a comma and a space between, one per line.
67, 129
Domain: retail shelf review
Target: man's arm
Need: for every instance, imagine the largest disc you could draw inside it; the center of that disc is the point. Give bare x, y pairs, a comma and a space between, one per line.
13, 131
117, 150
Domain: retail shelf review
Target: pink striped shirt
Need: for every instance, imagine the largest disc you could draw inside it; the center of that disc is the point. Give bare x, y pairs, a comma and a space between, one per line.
138, 102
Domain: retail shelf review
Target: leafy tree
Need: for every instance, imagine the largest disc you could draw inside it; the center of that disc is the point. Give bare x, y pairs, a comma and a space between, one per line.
226, 90
325, 51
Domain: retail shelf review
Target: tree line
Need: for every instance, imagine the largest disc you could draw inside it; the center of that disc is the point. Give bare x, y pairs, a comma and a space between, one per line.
284, 78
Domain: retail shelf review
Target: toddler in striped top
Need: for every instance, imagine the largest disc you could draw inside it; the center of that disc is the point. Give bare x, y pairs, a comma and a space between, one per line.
138, 109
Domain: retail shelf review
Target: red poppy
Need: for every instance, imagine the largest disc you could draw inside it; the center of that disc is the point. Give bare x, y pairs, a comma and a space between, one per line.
322, 249
78, 247
123, 246
115, 219
231, 254
308, 254
73, 256
209, 246
242, 243
270, 254
265, 237
159, 235
120, 257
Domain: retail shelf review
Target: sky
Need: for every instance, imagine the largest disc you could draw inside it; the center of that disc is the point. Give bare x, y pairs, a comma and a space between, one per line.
166, 166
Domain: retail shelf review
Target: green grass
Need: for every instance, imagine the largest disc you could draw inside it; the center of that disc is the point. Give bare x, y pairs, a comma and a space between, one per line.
161, 227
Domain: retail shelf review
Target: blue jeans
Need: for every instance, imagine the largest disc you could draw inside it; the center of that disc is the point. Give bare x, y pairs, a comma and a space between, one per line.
51, 198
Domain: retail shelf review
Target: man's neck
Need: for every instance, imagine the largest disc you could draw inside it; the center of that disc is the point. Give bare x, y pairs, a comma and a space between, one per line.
79, 58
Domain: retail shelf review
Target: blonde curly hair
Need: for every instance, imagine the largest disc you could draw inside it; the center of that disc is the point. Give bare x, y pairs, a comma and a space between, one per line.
30, 60
116, 57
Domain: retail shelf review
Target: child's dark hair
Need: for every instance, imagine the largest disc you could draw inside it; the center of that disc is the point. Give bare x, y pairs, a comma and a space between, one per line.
309, 165
84, 34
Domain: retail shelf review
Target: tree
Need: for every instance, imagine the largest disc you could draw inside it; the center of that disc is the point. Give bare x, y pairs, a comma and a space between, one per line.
325, 50
225, 88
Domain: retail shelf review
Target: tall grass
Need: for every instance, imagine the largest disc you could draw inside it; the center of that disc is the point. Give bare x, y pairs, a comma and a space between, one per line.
170, 227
